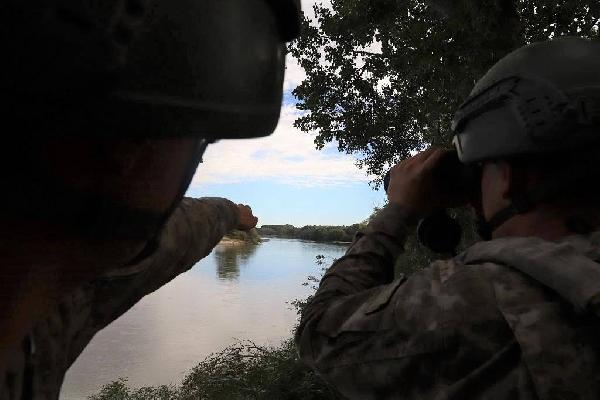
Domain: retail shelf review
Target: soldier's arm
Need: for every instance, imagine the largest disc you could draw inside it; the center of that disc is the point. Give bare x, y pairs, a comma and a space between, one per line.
365, 270
367, 333
191, 232
361, 319
368, 263
372, 336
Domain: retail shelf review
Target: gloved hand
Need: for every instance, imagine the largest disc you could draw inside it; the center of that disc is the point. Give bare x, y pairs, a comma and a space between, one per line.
415, 185
247, 221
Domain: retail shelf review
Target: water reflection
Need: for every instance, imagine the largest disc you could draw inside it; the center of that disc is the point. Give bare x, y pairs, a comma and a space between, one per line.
236, 293
230, 257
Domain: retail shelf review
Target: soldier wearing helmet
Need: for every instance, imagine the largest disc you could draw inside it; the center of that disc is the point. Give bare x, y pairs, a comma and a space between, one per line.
108, 108
514, 316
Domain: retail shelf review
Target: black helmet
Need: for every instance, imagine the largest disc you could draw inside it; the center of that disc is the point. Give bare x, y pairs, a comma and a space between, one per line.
212, 68
541, 98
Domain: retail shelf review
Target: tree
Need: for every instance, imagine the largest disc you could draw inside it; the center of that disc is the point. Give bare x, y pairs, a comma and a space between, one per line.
384, 77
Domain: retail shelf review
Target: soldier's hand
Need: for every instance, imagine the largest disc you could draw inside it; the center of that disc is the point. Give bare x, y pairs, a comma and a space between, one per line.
414, 187
247, 221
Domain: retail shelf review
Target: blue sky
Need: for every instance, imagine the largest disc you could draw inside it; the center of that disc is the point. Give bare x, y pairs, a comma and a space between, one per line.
283, 177
280, 203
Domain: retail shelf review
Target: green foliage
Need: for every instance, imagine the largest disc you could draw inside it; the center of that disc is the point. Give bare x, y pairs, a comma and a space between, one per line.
311, 232
414, 257
384, 77
118, 390
247, 371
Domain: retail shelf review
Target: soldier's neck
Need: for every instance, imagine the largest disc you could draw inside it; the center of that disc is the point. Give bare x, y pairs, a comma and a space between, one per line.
544, 222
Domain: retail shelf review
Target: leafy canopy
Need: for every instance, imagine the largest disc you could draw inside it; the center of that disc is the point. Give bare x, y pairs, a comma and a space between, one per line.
384, 77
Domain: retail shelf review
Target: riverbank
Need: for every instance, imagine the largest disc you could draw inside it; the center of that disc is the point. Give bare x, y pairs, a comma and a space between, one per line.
266, 238
226, 241
316, 233
237, 238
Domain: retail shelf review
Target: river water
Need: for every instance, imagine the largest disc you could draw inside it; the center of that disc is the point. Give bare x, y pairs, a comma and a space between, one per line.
236, 293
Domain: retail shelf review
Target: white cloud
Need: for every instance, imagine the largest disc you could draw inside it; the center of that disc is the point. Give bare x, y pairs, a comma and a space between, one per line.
294, 74
287, 156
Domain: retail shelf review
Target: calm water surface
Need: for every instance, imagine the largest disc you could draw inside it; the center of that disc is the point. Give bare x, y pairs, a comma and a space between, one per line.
237, 292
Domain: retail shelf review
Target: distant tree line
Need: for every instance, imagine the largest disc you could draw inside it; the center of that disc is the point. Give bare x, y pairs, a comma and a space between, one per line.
316, 233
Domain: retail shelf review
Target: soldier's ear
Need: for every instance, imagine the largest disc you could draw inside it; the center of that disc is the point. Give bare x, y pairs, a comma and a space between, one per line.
509, 182
497, 179
495, 187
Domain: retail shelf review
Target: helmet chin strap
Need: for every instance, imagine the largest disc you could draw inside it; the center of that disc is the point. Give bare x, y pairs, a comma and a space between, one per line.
519, 205
524, 202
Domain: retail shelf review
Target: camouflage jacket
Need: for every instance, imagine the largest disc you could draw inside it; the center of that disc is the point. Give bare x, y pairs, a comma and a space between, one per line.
37, 370
511, 318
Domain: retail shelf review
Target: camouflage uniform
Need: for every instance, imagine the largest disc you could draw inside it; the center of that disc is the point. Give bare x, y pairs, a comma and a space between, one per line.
37, 370
507, 319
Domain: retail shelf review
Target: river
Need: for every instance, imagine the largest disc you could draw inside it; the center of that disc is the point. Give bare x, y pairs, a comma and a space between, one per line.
238, 292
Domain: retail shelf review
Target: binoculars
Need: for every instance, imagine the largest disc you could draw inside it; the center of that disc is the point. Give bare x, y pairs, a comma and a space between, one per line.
439, 232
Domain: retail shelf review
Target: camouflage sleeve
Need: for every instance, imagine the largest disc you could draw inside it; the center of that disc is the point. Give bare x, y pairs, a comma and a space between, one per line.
192, 231
365, 272
370, 335
369, 262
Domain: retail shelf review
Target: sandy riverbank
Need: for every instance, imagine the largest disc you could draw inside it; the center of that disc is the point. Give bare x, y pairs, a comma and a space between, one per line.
232, 242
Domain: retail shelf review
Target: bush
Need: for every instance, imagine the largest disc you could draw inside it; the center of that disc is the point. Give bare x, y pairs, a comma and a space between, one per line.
118, 390
241, 371
247, 371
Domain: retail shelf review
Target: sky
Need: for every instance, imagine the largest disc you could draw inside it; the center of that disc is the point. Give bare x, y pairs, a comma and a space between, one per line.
283, 177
